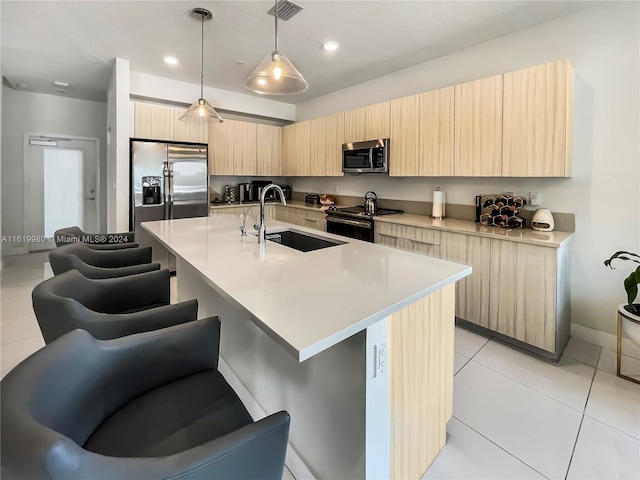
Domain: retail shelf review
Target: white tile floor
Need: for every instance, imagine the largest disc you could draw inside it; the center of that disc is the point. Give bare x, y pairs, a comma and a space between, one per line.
514, 416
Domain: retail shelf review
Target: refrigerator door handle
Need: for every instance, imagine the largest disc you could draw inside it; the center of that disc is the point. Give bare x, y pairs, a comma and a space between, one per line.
170, 190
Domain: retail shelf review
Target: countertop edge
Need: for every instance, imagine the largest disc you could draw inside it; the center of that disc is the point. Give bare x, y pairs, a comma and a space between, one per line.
365, 323
497, 233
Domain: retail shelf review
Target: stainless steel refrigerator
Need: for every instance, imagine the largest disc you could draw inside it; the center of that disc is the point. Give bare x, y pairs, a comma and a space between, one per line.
168, 180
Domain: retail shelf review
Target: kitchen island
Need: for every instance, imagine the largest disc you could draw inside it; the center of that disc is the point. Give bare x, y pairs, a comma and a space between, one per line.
355, 341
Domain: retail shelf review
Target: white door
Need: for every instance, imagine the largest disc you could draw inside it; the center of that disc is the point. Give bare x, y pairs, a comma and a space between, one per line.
62, 189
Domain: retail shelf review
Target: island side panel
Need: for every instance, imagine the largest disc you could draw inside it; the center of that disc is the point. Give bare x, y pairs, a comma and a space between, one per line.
420, 381
325, 395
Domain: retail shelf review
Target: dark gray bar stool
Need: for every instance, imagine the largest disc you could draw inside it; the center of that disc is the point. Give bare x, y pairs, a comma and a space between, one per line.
99, 263
108, 308
151, 405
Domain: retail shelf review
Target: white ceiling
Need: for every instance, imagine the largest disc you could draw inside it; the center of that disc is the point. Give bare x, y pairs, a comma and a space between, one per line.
77, 41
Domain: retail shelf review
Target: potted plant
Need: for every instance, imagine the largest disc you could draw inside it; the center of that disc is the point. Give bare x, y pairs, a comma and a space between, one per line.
629, 313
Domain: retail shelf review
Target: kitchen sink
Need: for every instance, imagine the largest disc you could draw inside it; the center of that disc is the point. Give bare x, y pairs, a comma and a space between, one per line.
301, 241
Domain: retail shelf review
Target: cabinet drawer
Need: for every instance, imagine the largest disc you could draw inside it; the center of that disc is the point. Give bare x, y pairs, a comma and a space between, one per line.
308, 215
389, 240
422, 247
419, 234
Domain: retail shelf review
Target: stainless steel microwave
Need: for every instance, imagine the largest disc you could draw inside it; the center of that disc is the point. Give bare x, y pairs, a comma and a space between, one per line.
366, 157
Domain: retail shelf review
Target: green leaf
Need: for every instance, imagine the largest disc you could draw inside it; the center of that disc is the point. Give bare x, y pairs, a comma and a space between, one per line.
621, 255
631, 286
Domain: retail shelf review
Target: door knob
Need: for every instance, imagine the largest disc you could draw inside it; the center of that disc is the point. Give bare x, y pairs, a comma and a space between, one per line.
92, 198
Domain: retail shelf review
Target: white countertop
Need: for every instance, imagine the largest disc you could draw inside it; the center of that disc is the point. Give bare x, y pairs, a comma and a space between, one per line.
523, 235
309, 301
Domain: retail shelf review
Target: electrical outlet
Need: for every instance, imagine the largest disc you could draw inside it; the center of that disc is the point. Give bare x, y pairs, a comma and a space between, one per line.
534, 198
380, 354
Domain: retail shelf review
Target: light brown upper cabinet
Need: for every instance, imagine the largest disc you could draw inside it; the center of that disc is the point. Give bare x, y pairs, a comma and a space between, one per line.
327, 137
296, 149
378, 121
436, 138
478, 128
354, 125
154, 122
405, 136
318, 145
335, 139
221, 148
232, 148
189, 132
244, 148
538, 121
268, 150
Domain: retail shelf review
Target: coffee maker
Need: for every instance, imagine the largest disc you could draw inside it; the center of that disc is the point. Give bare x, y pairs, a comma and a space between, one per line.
258, 185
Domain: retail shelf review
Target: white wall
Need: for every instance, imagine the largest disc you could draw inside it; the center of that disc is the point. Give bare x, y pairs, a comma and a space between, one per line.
118, 148
165, 89
602, 43
27, 112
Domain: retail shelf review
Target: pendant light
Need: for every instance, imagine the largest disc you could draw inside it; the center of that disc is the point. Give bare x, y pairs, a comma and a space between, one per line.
276, 75
201, 110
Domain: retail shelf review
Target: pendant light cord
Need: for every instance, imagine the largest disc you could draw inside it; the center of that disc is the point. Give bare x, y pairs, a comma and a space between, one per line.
275, 14
202, 56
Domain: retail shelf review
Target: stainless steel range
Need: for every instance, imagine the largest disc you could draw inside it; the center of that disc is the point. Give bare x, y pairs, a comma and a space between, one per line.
354, 222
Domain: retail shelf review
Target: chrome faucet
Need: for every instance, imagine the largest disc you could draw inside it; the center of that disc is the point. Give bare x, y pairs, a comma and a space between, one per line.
243, 228
262, 230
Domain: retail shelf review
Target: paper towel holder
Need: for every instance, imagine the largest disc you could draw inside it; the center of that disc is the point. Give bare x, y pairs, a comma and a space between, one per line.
434, 210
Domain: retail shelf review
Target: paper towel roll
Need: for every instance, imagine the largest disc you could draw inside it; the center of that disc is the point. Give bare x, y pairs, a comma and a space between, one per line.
437, 210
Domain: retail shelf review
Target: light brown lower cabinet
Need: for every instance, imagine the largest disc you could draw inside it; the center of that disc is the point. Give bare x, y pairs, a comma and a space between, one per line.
524, 284
409, 238
253, 210
302, 217
518, 290
472, 292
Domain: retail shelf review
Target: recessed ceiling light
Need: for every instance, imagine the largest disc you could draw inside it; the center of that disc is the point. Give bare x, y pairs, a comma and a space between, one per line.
330, 45
61, 90
61, 84
171, 60
262, 81
22, 85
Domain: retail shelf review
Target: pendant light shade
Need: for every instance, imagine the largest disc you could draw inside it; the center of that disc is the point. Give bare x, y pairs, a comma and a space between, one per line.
201, 111
276, 75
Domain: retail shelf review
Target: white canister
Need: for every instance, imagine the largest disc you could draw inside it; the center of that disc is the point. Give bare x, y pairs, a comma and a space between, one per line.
542, 220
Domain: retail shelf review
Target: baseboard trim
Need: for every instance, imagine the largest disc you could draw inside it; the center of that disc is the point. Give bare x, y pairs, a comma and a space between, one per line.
293, 461
605, 340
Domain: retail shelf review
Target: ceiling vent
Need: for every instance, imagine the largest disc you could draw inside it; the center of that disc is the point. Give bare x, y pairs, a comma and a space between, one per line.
286, 10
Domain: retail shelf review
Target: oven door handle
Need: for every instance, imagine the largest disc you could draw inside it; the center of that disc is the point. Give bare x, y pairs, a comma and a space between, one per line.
355, 223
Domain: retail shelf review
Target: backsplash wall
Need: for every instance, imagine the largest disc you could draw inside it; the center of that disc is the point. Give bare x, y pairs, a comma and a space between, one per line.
460, 191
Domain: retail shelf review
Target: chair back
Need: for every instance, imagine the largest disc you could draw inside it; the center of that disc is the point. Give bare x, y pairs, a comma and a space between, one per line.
55, 395
79, 255
65, 236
